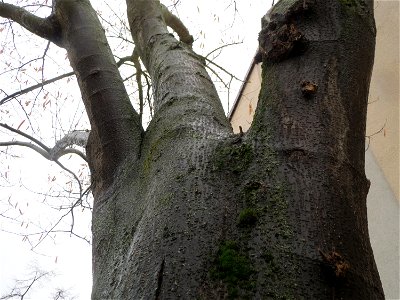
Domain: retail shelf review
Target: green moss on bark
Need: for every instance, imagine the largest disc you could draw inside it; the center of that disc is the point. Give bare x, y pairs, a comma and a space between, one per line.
278, 206
235, 158
247, 217
354, 6
351, 3
233, 268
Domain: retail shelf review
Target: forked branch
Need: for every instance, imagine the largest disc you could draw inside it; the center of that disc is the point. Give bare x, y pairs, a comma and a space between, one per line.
61, 148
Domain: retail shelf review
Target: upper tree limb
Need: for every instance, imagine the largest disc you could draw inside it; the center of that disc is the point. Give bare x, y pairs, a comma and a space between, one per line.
46, 28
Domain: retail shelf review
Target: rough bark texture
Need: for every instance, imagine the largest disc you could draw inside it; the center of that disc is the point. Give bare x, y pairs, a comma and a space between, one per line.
318, 57
277, 214
187, 209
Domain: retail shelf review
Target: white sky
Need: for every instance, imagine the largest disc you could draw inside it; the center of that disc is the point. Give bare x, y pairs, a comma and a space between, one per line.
212, 23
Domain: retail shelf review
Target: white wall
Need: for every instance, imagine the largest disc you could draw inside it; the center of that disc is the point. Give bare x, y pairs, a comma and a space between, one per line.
383, 224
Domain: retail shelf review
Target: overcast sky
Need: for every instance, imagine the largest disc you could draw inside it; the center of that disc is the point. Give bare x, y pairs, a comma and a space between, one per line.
26, 179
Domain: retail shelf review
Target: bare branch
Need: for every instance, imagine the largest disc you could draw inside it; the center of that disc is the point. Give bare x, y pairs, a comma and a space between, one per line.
70, 211
39, 150
148, 96
34, 87
135, 59
78, 137
46, 82
72, 151
123, 60
221, 47
46, 28
36, 141
22, 287
219, 67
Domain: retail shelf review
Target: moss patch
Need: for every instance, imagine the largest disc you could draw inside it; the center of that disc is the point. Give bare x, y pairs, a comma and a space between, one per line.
235, 158
354, 5
233, 268
247, 217
349, 3
272, 268
278, 206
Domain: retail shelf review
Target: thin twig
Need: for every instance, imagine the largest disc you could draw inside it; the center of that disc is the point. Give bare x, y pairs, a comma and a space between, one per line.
375, 133
46, 82
36, 141
223, 46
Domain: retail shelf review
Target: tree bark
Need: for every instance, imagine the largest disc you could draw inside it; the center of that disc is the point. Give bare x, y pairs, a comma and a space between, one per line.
116, 132
318, 57
189, 210
278, 213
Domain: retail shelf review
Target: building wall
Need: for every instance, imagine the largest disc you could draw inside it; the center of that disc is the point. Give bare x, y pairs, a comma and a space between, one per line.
383, 226
383, 108
246, 104
382, 157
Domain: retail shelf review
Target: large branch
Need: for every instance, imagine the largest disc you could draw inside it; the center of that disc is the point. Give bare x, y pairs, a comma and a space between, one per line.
44, 27
178, 74
146, 22
116, 131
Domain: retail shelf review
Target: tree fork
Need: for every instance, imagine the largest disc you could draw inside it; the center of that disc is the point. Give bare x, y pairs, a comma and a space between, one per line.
199, 213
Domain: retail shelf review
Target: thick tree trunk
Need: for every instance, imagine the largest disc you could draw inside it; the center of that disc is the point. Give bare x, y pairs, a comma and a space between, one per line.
189, 210
279, 213
318, 57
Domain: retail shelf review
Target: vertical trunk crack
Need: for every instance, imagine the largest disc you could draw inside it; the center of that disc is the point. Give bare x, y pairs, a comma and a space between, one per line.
160, 279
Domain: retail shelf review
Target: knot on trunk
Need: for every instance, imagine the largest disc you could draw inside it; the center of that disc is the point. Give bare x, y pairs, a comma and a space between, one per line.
277, 44
280, 37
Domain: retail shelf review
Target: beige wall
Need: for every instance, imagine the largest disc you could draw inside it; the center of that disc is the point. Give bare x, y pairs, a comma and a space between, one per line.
383, 226
246, 104
383, 109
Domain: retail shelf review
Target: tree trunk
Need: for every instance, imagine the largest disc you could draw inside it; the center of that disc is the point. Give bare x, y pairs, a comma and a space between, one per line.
189, 210
278, 213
